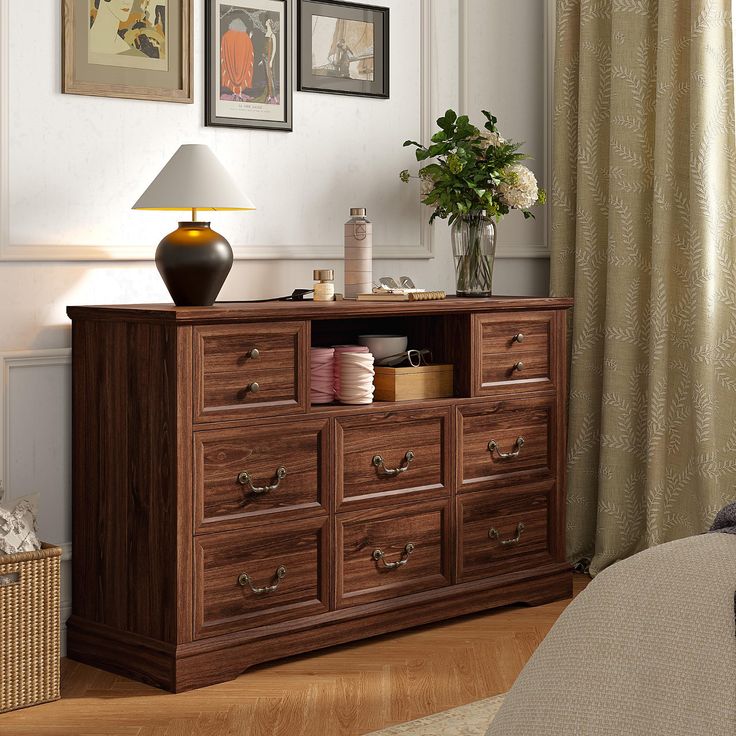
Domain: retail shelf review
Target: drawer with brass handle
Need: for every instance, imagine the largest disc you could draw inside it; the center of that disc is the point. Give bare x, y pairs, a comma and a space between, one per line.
500, 534
248, 370
274, 573
392, 552
506, 440
379, 456
245, 475
512, 350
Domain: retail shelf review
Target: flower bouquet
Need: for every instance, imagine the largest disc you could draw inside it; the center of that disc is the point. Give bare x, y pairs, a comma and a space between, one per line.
474, 177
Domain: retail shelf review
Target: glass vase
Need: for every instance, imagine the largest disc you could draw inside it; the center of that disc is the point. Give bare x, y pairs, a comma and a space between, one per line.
474, 247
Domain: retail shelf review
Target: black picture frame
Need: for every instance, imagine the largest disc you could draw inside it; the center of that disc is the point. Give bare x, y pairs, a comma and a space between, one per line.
219, 111
307, 81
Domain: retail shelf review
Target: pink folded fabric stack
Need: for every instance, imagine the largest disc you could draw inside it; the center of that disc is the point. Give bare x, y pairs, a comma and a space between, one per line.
323, 375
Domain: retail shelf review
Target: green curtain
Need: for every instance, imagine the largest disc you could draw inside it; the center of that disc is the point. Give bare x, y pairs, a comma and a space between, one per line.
643, 237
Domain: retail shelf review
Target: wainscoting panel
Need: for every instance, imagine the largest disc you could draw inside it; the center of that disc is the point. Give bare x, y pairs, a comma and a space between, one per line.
35, 444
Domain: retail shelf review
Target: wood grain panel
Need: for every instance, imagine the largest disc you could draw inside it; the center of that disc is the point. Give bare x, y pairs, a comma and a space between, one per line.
391, 435
533, 419
221, 455
222, 604
224, 370
360, 578
501, 359
483, 554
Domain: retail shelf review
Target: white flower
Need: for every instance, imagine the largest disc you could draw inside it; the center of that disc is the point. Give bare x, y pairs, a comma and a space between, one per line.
488, 138
519, 189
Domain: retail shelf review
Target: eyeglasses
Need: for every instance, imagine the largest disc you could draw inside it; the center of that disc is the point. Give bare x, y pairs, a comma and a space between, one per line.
414, 357
404, 282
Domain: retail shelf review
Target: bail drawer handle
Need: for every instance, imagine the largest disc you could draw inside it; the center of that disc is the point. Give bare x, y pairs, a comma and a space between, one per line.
380, 556
245, 479
244, 580
515, 452
379, 463
495, 534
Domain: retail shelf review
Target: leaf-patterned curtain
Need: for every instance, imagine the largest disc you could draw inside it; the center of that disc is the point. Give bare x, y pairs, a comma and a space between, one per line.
643, 237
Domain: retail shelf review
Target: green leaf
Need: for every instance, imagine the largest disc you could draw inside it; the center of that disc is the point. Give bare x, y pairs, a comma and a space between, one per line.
412, 143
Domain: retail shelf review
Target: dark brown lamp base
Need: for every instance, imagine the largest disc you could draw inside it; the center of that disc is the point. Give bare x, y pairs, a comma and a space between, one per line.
194, 262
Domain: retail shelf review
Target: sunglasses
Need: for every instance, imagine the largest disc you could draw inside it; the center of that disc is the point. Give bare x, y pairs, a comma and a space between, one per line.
404, 282
414, 357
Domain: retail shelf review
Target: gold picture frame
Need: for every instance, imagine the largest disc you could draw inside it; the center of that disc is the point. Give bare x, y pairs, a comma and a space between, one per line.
133, 49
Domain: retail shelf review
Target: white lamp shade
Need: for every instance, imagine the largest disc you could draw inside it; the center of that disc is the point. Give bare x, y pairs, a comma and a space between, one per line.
194, 178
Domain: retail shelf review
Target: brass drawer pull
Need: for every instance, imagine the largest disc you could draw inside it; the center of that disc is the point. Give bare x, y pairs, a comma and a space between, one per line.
518, 367
254, 354
244, 580
493, 447
518, 337
245, 480
380, 556
495, 534
391, 472
253, 388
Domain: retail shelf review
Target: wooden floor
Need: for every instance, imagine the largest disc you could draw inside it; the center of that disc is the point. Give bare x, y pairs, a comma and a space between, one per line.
345, 691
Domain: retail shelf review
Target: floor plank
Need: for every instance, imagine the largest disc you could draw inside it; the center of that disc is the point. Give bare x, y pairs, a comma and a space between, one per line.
345, 691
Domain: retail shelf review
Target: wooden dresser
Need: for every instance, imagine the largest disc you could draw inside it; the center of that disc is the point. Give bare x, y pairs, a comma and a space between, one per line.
221, 521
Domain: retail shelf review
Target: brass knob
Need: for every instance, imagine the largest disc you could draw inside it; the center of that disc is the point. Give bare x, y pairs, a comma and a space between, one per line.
254, 354
519, 338
519, 366
254, 388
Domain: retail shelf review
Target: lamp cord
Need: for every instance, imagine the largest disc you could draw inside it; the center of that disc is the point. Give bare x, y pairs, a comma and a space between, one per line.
296, 296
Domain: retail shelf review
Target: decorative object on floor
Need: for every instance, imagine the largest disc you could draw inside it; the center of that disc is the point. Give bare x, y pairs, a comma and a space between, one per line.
194, 260
18, 526
120, 48
30, 622
343, 48
358, 253
248, 63
355, 373
472, 719
323, 375
493, 183
647, 649
324, 288
381, 346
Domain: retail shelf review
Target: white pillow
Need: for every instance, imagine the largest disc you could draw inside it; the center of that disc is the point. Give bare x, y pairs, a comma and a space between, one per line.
18, 527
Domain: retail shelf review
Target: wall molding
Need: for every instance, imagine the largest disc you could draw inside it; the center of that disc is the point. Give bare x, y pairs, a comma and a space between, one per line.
526, 250
104, 253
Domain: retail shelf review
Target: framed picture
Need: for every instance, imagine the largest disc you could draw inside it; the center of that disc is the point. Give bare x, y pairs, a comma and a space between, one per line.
139, 49
248, 62
343, 48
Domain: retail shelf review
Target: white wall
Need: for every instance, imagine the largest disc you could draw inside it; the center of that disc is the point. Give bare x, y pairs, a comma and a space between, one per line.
60, 194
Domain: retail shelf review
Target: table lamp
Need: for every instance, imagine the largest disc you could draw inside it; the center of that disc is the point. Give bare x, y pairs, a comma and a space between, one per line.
194, 260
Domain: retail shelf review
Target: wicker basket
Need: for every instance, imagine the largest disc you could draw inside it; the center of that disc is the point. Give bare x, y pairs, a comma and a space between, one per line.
29, 628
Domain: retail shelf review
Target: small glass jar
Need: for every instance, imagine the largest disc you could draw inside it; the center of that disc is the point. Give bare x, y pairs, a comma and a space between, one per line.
324, 288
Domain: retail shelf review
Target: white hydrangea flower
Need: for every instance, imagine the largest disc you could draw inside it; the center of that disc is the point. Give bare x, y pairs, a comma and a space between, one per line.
519, 190
489, 138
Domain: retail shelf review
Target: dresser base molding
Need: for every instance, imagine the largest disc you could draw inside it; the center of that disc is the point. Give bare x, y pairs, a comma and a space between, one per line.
219, 659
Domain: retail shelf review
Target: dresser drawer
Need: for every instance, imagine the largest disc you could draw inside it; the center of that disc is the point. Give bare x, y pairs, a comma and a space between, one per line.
512, 350
259, 577
390, 553
393, 453
243, 370
502, 534
507, 441
247, 474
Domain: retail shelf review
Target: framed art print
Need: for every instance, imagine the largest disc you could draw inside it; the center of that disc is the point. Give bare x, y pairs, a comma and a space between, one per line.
248, 61
343, 48
139, 49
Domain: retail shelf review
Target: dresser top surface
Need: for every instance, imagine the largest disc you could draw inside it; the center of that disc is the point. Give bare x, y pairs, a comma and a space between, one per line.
254, 311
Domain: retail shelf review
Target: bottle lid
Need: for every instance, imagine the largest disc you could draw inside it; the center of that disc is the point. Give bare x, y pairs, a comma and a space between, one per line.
358, 212
326, 274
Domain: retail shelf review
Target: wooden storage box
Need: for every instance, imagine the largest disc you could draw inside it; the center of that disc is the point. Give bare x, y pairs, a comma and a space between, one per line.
412, 384
29, 628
